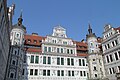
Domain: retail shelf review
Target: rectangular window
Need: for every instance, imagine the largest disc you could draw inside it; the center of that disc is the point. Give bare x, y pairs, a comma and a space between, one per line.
44, 72
68, 61
49, 49
31, 71
83, 62
61, 50
113, 44
23, 71
113, 70
48, 72
95, 68
100, 62
49, 60
73, 73
45, 49
62, 61
71, 51
110, 70
44, 59
116, 42
84, 73
58, 73
107, 59
13, 62
119, 53
32, 59
108, 45
80, 62
67, 51
116, 56
36, 72
58, 50
105, 47
119, 68
72, 62
37, 59
69, 73
111, 57
64, 42
58, 61
25, 58
81, 73
62, 72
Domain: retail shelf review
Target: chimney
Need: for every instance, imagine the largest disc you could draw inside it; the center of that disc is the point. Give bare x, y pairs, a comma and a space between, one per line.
83, 40
35, 34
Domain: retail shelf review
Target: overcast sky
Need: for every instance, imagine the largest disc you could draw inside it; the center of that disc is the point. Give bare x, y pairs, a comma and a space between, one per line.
41, 16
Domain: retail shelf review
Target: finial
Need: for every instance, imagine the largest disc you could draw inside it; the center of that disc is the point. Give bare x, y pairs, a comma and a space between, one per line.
89, 25
21, 13
89, 29
20, 19
59, 25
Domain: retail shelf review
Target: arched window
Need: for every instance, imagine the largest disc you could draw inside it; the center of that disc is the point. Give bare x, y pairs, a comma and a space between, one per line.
13, 62
11, 75
15, 52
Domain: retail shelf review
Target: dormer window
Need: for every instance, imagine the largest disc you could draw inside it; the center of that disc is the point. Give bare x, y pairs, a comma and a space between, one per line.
35, 41
29, 40
40, 41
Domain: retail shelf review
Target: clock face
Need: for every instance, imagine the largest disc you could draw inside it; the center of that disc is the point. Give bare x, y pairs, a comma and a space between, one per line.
17, 35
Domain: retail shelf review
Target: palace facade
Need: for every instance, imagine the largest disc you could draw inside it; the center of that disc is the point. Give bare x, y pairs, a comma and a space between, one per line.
55, 57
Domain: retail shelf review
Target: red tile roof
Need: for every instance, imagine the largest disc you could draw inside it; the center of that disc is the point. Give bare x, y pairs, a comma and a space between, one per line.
81, 48
32, 39
117, 29
82, 54
29, 41
80, 43
34, 50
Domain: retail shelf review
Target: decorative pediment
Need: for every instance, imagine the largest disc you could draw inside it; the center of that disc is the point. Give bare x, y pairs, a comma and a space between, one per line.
59, 31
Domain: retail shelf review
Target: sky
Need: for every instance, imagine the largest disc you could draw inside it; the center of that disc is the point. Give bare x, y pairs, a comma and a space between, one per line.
41, 16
